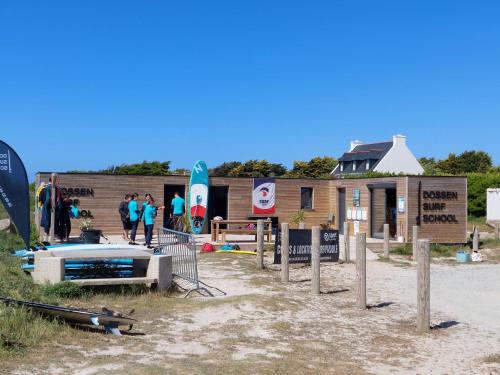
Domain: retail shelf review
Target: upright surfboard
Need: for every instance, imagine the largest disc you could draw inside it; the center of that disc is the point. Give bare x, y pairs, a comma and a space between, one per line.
198, 196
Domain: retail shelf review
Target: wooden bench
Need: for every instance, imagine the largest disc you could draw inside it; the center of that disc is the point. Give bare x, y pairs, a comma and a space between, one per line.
267, 233
50, 267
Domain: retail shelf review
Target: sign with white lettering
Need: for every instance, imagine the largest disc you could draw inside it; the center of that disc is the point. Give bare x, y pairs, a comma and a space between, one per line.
299, 250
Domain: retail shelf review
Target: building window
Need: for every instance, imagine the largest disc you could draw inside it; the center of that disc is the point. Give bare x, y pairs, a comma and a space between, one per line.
306, 198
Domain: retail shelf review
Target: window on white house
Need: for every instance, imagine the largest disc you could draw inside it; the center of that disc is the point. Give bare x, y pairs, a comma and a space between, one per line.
306, 198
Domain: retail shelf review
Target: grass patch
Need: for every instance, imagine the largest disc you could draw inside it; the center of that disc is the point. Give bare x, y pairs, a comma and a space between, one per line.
480, 222
491, 243
437, 250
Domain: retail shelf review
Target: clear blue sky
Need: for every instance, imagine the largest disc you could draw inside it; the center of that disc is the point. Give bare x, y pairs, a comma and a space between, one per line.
88, 84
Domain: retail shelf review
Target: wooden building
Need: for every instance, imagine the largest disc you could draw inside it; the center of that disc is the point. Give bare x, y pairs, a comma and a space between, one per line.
437, 204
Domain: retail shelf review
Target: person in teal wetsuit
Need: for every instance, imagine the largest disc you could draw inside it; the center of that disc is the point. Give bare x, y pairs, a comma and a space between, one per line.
134, 218
177, 212
149, 216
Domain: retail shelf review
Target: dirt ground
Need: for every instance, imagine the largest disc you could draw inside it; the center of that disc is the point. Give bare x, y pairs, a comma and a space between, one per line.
263, 326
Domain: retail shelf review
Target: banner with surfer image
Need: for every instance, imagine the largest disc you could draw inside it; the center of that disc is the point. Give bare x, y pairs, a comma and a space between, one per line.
263, 196
14, 190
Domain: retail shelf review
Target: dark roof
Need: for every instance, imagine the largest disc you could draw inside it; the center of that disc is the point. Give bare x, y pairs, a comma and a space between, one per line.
374, 151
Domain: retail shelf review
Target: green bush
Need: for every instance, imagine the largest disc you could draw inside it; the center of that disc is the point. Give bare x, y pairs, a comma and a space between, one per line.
477, 183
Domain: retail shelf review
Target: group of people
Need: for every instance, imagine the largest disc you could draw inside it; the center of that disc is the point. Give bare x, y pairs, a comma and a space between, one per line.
65, 209
131, 215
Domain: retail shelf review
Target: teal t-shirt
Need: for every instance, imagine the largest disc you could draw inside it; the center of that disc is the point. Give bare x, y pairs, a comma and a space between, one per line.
149, 214
132, 210
178, 204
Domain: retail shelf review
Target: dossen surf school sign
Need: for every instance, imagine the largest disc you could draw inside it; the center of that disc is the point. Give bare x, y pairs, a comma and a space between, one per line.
263, 196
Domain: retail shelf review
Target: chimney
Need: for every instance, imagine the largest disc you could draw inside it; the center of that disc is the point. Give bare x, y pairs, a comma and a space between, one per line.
398, 140
354, 144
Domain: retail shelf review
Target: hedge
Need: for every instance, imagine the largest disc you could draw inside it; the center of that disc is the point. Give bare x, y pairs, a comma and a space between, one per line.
477, 183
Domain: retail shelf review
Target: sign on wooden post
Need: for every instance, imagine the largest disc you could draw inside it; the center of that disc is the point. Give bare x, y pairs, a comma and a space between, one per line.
424, 286
315, 260
361, 270
285, 273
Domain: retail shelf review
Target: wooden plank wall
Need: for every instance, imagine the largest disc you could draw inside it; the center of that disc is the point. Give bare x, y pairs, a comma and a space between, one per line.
440, 232
362, 184
109, 190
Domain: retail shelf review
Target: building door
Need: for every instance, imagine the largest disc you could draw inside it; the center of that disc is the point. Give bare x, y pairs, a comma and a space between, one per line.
217, 204
168, 195
383, 210
341, 206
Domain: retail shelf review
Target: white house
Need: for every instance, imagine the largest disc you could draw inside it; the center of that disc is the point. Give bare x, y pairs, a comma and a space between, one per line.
392, 156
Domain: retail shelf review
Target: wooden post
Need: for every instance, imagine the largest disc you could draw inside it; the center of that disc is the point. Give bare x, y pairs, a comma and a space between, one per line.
285, 273
53, 207
260, 244
386, 240
302, 225
315, 260
347, 244
496, 231
361, 270
424, 286
475, 240
414, 239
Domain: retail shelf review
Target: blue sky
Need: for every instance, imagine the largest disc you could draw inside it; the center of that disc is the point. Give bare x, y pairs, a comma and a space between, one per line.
88, 84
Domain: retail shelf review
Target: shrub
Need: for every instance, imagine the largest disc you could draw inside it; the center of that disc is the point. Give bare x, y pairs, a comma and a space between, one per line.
477, 183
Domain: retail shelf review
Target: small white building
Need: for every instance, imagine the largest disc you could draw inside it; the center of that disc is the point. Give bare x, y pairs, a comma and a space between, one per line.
493, 205
390, 157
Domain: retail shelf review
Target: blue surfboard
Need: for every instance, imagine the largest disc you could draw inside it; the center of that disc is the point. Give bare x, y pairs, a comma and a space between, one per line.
198, 196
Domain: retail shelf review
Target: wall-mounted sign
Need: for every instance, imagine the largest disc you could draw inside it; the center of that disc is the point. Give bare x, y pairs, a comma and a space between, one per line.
356, 197
401, 204
263, 196
77, 192
299, 250
435, 208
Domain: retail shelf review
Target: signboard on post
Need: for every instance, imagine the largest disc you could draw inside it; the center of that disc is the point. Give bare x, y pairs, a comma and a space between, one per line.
299, 249
263, 196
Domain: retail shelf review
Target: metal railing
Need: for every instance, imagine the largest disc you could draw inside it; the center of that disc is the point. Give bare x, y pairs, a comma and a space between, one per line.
182, 248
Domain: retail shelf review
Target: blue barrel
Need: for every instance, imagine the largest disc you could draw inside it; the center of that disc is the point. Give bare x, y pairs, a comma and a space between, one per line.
463, 257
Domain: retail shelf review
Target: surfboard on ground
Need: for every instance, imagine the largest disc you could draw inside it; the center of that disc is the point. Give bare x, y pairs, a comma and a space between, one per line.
198, 196
110, 320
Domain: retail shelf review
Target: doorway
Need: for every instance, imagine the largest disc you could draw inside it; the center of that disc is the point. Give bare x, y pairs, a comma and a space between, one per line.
168, 195
383, 210
341, 206
217, 204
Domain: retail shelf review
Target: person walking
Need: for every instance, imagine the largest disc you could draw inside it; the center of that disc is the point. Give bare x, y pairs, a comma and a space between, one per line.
177, 212
149, 215
125, 217
147, 199
134, 218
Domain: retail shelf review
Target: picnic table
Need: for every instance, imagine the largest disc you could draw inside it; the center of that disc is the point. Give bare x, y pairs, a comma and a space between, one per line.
243, 227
